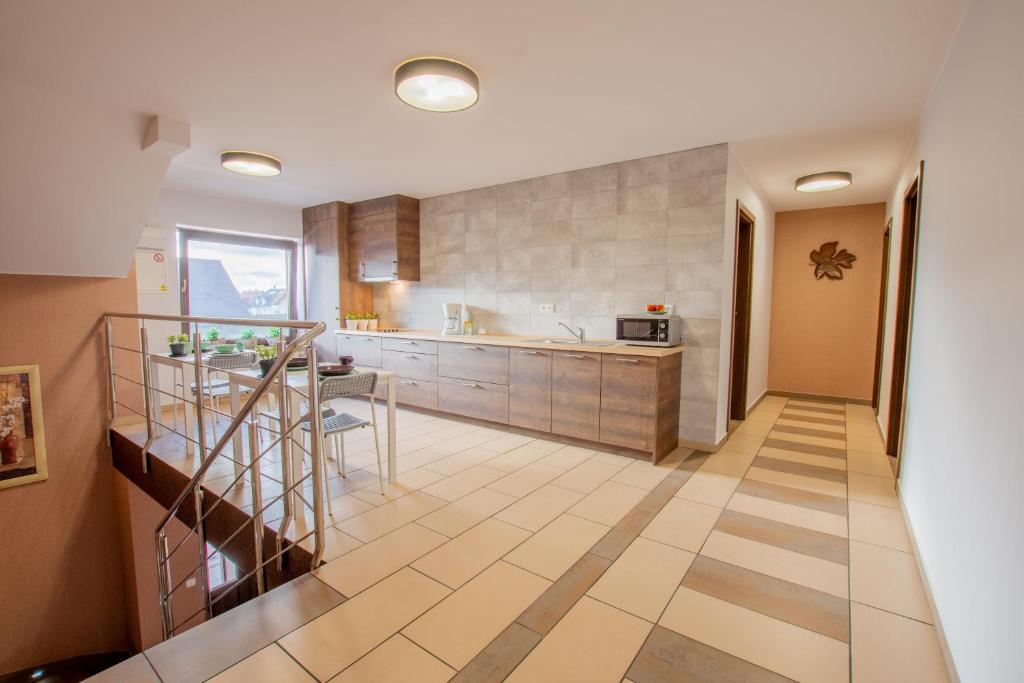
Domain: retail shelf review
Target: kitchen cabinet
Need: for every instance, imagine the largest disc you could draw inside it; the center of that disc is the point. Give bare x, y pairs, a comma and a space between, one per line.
629, 401
576, 394
416, 392
364, 349
482, 400
384, 239
410, 365
529, 389
477, 362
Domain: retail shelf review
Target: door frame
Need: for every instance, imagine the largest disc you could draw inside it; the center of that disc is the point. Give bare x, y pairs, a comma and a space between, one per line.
737, 404
883, 296
909, 240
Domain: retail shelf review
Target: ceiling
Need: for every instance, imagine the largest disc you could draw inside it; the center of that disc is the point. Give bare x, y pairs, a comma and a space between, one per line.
798, 86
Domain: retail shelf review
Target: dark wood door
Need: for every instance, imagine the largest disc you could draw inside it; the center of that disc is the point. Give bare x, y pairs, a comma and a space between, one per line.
904, 315
883, 292
529, 389
321, 250
742, 282
576, 394
629, 386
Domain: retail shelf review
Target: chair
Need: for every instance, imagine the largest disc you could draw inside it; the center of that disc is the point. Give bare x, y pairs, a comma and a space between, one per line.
356, 384
215, 390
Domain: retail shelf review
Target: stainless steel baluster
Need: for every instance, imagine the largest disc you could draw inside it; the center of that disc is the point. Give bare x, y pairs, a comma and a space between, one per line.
316, 430
257, 504
147, 395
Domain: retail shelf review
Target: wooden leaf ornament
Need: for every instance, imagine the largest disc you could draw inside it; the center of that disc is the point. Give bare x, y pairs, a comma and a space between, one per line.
829, 263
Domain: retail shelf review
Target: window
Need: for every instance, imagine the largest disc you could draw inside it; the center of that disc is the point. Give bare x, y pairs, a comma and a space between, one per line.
226, 275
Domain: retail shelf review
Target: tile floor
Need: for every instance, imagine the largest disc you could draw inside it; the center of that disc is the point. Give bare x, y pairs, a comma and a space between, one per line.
500, 556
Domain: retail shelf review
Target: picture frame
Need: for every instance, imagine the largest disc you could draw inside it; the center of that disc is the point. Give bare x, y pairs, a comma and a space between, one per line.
22, 441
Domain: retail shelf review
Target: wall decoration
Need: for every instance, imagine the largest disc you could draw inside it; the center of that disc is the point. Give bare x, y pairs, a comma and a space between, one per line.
22, 448
829, 263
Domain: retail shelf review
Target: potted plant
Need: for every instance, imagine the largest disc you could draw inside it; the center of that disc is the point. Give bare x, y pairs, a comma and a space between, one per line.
363, 321
211, 336
373, 319
273, 336
248, 338
352, 321
177, 343
266, 354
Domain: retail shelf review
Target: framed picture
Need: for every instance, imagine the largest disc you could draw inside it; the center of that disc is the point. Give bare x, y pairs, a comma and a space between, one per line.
22, 447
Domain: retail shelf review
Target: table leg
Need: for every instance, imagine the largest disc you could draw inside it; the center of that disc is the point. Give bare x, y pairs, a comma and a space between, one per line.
236, 440
392, 437
294, 413
189, 415
155, 397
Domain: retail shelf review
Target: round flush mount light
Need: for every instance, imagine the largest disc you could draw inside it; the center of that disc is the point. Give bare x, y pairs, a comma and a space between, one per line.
823, 182
436, 84
250, 163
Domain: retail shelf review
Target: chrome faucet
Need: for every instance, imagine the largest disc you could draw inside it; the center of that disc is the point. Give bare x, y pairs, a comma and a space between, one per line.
581, 337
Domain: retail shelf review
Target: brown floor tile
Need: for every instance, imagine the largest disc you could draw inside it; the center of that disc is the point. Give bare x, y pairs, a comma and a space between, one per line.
787, 494
803, 469
814, 610
496, 661
559, 598
806, 448
806, 431
817, 408
668, 657
838, 421
795, 538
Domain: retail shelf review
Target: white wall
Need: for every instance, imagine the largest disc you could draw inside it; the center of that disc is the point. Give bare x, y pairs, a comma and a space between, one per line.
963, 465
739, 186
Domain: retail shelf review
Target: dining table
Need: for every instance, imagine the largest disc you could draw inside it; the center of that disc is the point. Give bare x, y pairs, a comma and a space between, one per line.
297, 390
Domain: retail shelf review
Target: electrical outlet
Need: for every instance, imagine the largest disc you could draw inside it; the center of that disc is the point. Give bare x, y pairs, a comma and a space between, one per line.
546, 308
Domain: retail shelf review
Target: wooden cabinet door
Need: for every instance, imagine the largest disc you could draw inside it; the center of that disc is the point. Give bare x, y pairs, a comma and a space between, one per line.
476, 362
529, 389
576, 394
411, 365
629, 401
364, 349
374, 249
473, 399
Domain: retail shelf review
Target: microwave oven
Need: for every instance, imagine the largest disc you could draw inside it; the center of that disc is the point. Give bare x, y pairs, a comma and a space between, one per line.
645, 329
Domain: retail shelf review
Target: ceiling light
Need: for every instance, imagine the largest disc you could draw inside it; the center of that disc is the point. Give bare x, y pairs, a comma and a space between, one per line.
250, 163
823, 182
436, 84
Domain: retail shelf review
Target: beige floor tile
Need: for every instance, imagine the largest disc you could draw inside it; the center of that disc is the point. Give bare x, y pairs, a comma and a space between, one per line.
683, 524
506, 442
386, 518
463, 441
866, 444
465, 556
757, 429
803, 424
643, 579
789, 514
414, 459
396, 660
859, 410
269, 664
614, 459
517, 458
337, 543
525, 481
348, 506
642, 474
887, 579
874, 490
805, 458
464, 623
810, 440
728, 462
567, 457
862, 429
465, 482
803, 412
813, 572
879, 525
775, 645
539, 508
888, 648
463, 460
710, 488
587, 476
743, 443
812, 484
335, 640
456, 517
592, 643
366, 565
553, 549
869, 463
762, 415
608, 503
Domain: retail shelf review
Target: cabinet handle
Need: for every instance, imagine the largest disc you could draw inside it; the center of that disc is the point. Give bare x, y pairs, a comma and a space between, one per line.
470, 384
410, 355
369, 339
475, 348
394, 268
362, 269
408, 381
574, 355
531, 353
627, 360
407, 341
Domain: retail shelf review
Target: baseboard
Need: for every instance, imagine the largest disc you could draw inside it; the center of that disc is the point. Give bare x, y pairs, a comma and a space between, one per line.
703, 446
820, 397
947, 655
756, 403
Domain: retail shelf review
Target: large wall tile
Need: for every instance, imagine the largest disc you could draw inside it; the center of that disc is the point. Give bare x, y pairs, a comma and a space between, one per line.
519, 192
640, 278
643, 198
557, 232
482, 240
594, 254
450, 222
510, 215
515, 237
633, 226
550, 210
698, 191
646, 171
552, 257
481, 219
682, 277
480, 198
597, 229
453, 243
702, 161
515, 259
592, 304
549, 186
595, 204
701, 248
640, 252
595, 179
692, 220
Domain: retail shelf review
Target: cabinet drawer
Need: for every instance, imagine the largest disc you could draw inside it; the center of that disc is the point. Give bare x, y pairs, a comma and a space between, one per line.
473, 399
529, 389
629, 401
408, 345
364, 349
480, 363
576, 394
416, 392
405, 364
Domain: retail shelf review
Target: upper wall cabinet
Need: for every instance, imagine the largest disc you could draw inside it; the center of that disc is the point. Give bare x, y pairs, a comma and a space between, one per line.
384, 239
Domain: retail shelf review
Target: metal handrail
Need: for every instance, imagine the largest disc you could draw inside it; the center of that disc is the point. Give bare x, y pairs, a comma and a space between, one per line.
194, 489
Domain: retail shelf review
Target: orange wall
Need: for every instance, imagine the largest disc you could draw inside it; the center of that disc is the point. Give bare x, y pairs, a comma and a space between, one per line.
60, 557
823, 331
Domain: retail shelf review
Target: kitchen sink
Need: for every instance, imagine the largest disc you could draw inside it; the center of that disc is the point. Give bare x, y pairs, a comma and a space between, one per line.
570, 342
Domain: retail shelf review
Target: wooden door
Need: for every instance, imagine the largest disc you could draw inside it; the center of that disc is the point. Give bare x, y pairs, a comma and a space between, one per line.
742, 283
576, 394
880, 333
629, 401
529, 389
321, 250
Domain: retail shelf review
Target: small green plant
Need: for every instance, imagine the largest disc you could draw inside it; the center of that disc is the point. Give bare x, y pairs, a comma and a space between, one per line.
212, 334
275, 332
353, 316
177, 339
266, 352
247, 334
373, 316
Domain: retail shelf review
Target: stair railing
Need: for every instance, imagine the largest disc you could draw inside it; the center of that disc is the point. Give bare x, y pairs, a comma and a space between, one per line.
294, 479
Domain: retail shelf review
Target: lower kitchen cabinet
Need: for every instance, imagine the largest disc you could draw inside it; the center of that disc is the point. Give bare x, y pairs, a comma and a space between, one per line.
529, 389
363, 348
629, 401
576, 394
481, 400
416, 392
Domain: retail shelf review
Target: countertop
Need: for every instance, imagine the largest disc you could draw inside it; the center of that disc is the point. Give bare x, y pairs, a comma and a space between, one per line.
521, 341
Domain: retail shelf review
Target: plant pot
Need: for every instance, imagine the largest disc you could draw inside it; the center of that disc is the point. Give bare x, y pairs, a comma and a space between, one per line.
265, 365
188, 347
250, 344
351, 325
362, 324
9, 449
178, 349
371, 324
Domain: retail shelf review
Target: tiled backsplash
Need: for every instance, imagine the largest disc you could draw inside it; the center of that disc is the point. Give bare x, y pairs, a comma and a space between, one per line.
593, 242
